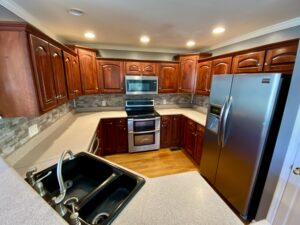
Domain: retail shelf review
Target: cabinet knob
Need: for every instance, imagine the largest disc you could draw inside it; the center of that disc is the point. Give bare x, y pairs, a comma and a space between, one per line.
55, 55
40, 48
266, 64
258, 64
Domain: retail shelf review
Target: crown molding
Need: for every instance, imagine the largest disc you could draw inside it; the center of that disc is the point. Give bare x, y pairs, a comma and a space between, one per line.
23, 14
257, 33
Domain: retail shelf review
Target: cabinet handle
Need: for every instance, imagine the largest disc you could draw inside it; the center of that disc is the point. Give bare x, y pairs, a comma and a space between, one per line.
55, 55
97, 89
258, 64
266, 64
40, 48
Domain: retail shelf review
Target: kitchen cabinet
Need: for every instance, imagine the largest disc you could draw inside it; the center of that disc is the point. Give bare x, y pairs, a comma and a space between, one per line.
168, 77
170, 134
88, 71
140, 68
114, 136
72, 75
203, 78
111, 76
42, 66
189, 136
59, 73
221, 66
187, 73
281, 59
198, 143
251, 62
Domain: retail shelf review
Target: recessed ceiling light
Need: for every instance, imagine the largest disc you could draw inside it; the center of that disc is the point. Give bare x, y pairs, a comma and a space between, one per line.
190, 43
89, 35
144, 39
75, 12
218, 30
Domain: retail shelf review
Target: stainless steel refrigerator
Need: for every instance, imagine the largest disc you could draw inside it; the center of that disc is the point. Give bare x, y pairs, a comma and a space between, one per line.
240, 136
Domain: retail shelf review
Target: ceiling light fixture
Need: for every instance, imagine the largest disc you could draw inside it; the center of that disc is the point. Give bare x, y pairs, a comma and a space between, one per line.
89, 35
145, 39
75, 12
218, 30
190, 43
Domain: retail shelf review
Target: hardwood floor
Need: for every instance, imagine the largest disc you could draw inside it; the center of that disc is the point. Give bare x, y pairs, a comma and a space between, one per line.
155, 163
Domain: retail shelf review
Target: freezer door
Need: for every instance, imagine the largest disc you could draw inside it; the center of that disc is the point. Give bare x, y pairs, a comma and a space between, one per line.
250, 112
220, 91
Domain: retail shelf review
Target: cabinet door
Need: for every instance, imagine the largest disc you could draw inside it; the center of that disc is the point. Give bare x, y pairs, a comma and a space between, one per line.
148, 68
189, 136
183, 123
68, 58
111, 76
187, 75
168, 78
166, 131
88, 71
108, 136
248, 63
203, 78
176, 130
59, 74
133, 68
221, 66
76, 76
198, 143
43, 73
121, 136
281, 59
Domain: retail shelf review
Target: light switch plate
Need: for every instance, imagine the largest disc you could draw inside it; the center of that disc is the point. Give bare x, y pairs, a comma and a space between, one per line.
33, 130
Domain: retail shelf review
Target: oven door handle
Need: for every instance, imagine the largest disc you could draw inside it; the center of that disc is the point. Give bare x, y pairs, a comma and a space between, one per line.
144, 132
155, 118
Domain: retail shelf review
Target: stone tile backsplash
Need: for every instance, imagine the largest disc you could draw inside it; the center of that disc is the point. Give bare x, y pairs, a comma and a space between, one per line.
14, 131
200, 100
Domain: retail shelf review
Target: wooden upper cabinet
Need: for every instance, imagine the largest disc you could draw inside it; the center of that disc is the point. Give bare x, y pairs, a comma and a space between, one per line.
59, 74
43, 73
248, 63
221, 66
140, 68
68, 58
168, 77
76, 76
111, 76
281, 59
88, 71
187, 74
203, 78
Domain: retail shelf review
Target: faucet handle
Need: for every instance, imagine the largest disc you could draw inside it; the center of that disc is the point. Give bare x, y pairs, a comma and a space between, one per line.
74, 217
30, 175
72, 202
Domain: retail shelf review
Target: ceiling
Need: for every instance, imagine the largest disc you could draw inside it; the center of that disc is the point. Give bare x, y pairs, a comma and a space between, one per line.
169, 23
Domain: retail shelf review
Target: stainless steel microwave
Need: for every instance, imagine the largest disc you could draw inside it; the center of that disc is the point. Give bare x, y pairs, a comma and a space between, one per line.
140, 85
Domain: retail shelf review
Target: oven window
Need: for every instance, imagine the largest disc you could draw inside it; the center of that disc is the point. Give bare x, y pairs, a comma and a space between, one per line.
147, 125
144, 139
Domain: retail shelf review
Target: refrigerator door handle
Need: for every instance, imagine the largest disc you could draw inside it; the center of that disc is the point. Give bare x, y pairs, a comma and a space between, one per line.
220, 129
224, 121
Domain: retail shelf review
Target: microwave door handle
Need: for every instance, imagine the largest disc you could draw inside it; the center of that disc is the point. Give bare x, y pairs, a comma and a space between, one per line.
226, 113
220, 123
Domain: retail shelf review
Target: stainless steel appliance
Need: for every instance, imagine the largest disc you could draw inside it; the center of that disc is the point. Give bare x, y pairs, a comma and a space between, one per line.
143, 126
137, 85
240, 136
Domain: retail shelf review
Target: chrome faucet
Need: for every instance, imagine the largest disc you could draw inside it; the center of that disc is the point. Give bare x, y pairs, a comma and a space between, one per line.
58, 200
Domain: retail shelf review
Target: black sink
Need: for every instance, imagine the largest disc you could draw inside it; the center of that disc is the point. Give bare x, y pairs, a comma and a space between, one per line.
102, 188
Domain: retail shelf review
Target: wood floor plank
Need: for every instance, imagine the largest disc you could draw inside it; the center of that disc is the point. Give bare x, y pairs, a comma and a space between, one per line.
155, 163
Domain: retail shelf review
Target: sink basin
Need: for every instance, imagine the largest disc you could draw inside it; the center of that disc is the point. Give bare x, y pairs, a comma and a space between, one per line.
102, 188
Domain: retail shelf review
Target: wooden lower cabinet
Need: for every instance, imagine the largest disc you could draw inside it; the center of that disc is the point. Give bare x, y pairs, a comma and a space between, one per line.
198, 143
170, 132
114, 137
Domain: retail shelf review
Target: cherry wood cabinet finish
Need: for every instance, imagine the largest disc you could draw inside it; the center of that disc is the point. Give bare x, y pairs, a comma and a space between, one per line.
76, 76
248, 63
111, 76
69, 75
189, 136
43, 72
187, 74
114, 136
168, 77
166, 131
140, 68
203, 78
176, 130
281, 59
59, 74
88, 71
198, 143
17, 83
221, 66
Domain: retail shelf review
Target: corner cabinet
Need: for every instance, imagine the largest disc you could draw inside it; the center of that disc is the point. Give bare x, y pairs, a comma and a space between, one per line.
203, 78
167, 77
88, 71
111, 76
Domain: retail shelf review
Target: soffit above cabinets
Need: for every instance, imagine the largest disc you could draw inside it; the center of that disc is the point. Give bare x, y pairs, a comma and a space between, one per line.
169, 23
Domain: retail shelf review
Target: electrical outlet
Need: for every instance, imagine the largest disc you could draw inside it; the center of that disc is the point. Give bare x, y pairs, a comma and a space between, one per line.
164, 101
103, 103
33, 130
